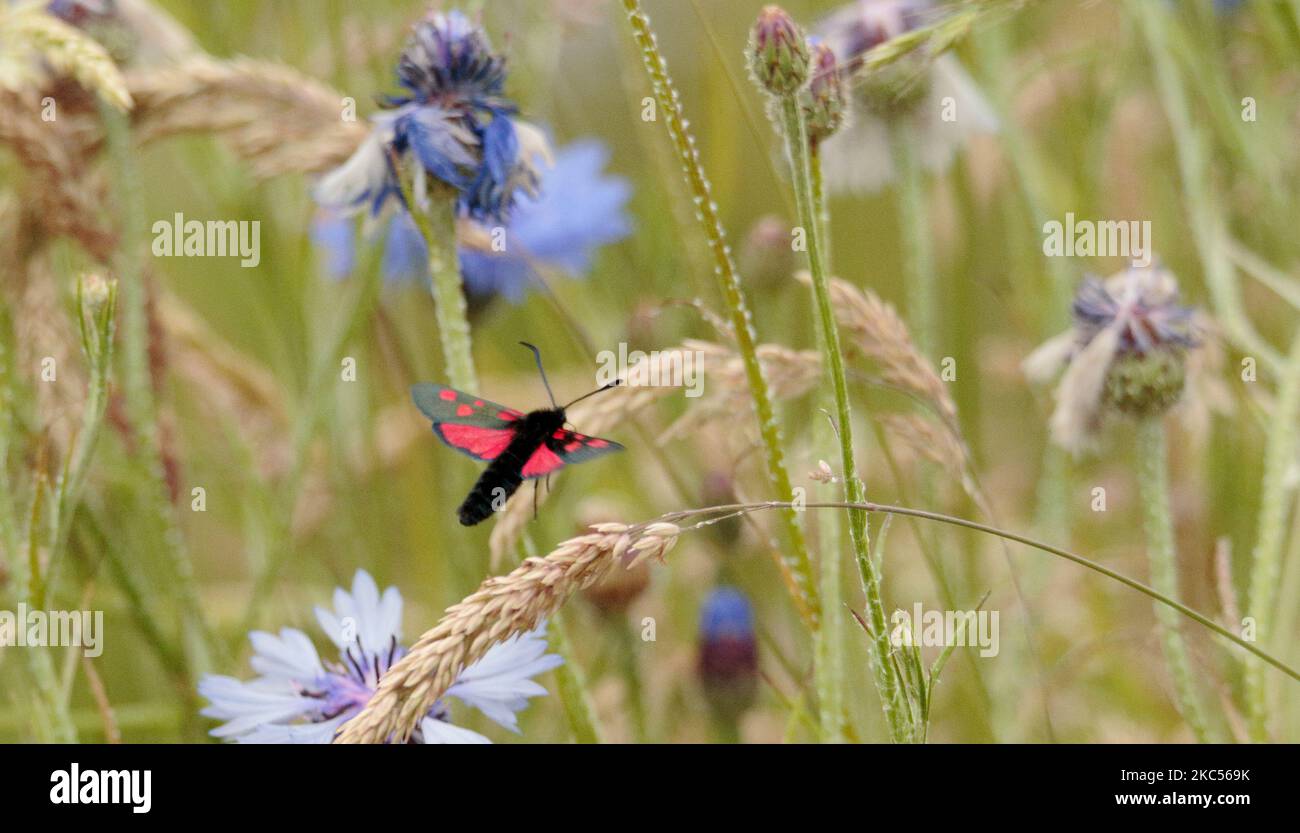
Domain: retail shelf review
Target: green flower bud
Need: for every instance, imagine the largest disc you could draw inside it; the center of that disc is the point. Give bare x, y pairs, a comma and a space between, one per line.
824, 104
1145, 385
778, 52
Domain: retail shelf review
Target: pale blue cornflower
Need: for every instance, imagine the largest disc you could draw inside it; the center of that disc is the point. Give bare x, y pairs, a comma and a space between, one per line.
298, 698
451, 126
577, 209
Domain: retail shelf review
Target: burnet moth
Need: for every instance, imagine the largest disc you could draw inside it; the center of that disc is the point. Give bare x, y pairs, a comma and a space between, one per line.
515, 445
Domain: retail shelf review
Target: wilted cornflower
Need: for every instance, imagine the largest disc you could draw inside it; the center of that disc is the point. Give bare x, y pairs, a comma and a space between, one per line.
452, 127
859, 157
300, 699
1125, 353
728, 652
577, 209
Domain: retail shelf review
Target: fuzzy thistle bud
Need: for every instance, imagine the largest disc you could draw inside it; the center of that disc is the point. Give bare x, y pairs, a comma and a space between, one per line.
1146, 385
824, 104
778, 52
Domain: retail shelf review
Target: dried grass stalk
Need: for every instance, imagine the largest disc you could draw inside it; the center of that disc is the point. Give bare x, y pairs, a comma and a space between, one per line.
277, 118
876, 331
63, 196
29, 34
502, 607
927, 439
790, 374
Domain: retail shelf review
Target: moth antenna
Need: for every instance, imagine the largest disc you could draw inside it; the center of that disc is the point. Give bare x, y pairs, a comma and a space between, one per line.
600, 389
537, 354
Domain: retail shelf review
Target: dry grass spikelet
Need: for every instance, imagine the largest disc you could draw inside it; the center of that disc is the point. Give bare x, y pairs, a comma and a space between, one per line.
790, 373
502, 607
28, 33
876, 331
62, 196
926, 439
277, 118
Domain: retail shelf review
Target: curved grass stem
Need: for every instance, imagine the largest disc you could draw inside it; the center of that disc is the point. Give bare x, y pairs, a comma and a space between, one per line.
939, 517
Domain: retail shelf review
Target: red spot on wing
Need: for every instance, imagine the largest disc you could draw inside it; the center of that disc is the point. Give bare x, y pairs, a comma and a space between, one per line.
484, 443
597, 442
543, 461
447, 394
509, 415
478, 403
464, 410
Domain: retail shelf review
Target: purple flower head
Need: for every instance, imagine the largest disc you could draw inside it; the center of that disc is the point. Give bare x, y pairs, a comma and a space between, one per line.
451, 126
1143, 307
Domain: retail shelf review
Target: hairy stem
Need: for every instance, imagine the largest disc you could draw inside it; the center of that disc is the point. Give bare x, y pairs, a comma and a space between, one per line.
1267, 559
1154, 482
796, 142
796, 567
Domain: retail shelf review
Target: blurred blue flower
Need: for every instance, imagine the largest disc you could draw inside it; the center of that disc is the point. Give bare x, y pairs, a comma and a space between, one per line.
300, 699
577, 209
728, 652
451, 124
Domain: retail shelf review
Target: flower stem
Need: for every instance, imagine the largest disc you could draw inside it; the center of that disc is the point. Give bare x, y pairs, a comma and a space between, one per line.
797, 566
918, 262
97, 344
572, 684
796, 141
1154, 482
1204, 211
438, 228
1267, 558
141, 406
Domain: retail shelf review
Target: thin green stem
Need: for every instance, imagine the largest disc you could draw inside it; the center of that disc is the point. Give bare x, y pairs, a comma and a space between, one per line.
138, 383
918, 261
438, 228
1154, 482
97, 344
1266, 562
797, 565
572, 684
1204, 211
796, 142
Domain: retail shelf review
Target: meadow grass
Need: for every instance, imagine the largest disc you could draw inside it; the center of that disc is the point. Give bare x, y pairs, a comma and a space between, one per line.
200, 465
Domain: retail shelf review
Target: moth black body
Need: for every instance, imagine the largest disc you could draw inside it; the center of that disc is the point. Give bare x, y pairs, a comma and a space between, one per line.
504, 475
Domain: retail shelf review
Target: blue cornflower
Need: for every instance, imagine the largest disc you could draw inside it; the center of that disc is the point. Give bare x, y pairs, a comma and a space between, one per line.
451, 124
300, 699
728, 648
577, 209
728, 651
